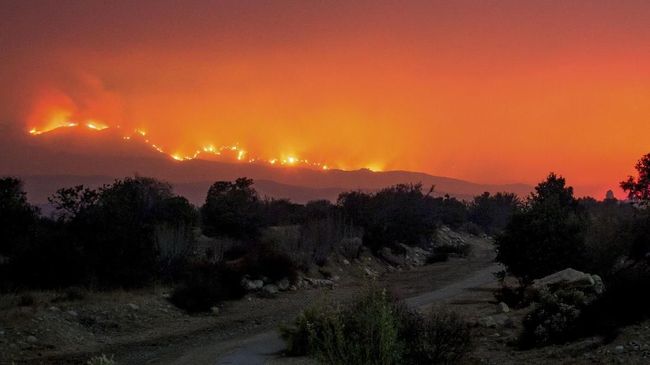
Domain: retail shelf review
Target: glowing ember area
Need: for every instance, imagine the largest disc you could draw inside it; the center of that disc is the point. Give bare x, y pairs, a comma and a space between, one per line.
237, 152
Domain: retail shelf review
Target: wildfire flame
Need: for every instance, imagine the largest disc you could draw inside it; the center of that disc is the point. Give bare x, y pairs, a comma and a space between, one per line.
239, 154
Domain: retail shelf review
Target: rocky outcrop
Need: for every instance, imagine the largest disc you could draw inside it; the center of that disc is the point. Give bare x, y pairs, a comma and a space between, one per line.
567, 279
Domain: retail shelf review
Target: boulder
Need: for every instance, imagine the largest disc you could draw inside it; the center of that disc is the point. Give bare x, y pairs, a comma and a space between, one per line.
566, 279
387, 255
270, 289
503, 308
283, 284
252, 285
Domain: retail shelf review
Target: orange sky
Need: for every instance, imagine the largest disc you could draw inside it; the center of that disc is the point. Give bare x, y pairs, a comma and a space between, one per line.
488, 91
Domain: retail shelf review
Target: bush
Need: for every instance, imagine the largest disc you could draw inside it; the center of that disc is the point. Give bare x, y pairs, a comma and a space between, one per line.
101, 360
555, 319
440, 338
205, 285
547, 236
398, 214
264, 260
376, 330
232, 209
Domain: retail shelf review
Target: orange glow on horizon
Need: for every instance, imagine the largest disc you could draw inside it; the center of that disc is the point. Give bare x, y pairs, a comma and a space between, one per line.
489, 92
238, 153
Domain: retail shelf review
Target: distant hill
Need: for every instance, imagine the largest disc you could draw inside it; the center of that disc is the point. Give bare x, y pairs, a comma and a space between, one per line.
62, 158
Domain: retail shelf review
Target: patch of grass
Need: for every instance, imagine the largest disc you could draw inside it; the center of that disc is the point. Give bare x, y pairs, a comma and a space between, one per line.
101, 360
376, 330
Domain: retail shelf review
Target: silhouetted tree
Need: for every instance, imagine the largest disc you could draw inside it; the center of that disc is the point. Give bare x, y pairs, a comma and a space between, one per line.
398, 214
547, 235
638, 189
232, 209
493, 212
17, 216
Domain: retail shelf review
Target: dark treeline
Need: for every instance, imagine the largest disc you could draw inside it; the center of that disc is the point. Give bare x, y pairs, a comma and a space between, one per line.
136, 230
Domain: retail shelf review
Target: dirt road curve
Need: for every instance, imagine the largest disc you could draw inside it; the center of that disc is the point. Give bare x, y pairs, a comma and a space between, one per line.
261, 348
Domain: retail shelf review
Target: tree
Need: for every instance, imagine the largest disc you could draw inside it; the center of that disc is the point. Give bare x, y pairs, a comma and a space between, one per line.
17, 216
638, 189
547, 235
398, 214
493, 212
232, 209
70, 202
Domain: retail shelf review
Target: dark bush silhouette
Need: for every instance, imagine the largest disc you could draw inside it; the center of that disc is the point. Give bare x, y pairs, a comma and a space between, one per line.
376, 330
399, 214
547, 235
493, 212
232, 209
104, 238
17, 216
205, 285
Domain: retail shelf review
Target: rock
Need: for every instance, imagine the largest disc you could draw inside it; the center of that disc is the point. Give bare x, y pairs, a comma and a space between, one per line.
283, 284
387, 255
619, 348
54, 309
566, 279
370, 273
319, 282
133, 306
270, 289
215, 310
32, 339
252, 285
346, 262
73, 313
503, 308
293, 288
599, 287
511, 282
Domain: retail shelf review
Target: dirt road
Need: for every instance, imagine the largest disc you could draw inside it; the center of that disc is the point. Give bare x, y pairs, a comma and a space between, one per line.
262, 348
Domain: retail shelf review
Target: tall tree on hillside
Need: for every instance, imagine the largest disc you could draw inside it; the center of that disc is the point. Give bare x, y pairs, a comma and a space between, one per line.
547, 235
232, 209
638, 189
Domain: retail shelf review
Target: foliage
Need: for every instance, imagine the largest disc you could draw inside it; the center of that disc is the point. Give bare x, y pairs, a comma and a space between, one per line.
232, 209
376, 330
17, 216
398, 214
638, 189
206, 284
493, 212
555, 319
547, 235
101, 360
264, 260
105, 237
439, 338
